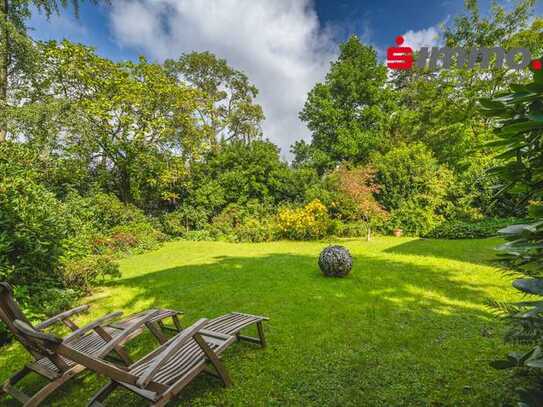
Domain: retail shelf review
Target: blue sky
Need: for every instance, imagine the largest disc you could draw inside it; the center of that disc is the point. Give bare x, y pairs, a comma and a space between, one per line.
376, 21
284, 46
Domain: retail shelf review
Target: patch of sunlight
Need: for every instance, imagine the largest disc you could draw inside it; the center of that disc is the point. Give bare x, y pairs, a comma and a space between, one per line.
439, 298
119, 297
382, 291
406, 303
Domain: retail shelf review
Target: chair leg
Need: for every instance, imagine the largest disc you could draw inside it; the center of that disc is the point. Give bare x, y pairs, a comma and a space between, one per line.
177, 323
8, 387
222, 373
157, 332
260, 329
102, 394
123, 355
45, 391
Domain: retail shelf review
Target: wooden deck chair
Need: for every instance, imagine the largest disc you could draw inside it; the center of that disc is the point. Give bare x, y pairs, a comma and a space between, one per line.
90, 339
158, 377
232, 324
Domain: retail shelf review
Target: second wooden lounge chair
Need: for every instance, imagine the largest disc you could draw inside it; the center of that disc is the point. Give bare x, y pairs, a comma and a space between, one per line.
158, 377
234, 322
91, 339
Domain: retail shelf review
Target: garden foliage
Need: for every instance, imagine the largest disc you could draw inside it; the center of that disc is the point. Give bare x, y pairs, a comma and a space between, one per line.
519, 141
101, 158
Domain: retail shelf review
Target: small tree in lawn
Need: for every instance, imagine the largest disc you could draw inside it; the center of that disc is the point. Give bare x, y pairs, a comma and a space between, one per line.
358, 186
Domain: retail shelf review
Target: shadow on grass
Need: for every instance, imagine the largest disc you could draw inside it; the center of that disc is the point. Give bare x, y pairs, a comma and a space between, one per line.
404, 320
475, 251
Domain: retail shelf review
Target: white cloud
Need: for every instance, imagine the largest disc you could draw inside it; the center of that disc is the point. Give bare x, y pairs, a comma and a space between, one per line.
279, 44
427, 37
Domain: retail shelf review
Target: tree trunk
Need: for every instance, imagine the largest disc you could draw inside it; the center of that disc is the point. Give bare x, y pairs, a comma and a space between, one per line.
123, 184
368, 237
4, 60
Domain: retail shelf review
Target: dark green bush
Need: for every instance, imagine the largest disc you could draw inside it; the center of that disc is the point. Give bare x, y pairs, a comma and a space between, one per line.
198, 235
256, 230
244, 223
183, 220
33, 228
133, 237
101, 211
413, 219
458, 229
411, 173
90, 271
350, 229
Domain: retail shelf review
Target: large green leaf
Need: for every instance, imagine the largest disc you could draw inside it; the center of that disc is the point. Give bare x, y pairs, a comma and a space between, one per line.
529, 285
491, 104
536, 117
521, 127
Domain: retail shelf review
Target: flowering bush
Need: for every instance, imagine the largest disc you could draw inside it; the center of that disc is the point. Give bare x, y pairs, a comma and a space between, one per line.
310, 222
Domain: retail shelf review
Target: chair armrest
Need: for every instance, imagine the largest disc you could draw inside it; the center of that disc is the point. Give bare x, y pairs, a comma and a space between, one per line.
118, 340
89, 327
33, 333
170, 349
61, 317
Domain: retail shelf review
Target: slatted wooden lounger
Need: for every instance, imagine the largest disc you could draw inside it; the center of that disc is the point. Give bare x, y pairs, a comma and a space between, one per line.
158, 377
187, 362
91, 339
234, 322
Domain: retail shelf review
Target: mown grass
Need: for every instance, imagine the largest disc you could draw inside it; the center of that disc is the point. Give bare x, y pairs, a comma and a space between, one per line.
409, 326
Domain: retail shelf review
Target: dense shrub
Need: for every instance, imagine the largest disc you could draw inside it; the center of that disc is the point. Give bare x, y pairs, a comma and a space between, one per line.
136, 237
102, 224
244, 223
309, 222
414, 220
101, 211
33, 228
458, 229
255, 230
90, 271
198, 235
183, 220
350, 229
413, 187
411, 173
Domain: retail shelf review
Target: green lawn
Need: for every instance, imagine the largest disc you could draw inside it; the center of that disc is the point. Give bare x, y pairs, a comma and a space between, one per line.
409, 326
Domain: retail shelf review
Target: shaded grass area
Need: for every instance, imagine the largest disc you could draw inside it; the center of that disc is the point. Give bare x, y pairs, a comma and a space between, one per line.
409, 326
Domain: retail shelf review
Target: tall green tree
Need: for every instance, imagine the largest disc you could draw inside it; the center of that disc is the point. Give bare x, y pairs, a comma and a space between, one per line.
227, 109
440, 108
129, 124
16, 48
346, 114
247, 172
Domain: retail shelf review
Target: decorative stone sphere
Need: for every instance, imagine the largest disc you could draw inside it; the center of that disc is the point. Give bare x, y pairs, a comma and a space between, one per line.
335, 261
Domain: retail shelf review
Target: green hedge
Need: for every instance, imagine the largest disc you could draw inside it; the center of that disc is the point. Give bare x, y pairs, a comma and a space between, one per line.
471, 230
